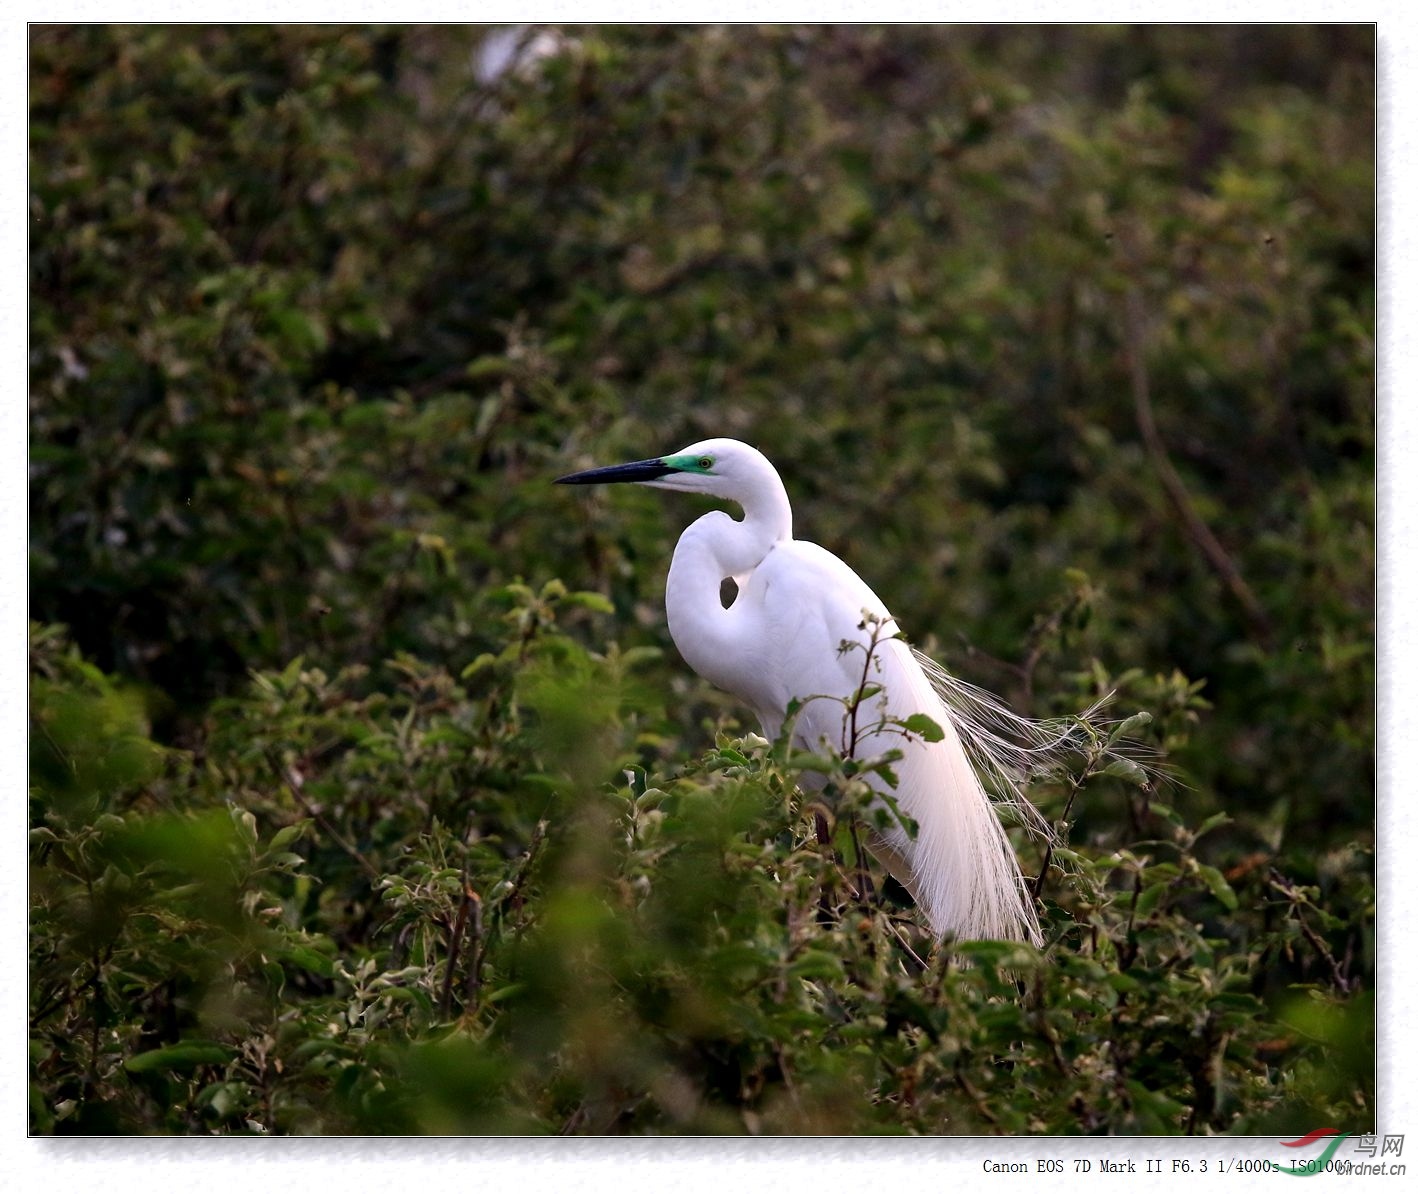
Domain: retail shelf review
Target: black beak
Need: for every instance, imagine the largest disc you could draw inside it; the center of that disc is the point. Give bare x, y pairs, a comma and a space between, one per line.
638, 470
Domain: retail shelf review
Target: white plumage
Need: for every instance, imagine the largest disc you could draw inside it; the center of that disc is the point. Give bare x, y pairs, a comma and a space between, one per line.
804, 627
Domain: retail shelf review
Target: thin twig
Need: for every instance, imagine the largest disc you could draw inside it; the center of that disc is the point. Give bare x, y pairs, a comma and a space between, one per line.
859, 862
858, 696
1297, 901
1195, 526
475, 967
294, 783
455, 941
520, 878
975, 1097
1047, 1031
65, 997
1075, 784
1127, 951
906, 945
823, 833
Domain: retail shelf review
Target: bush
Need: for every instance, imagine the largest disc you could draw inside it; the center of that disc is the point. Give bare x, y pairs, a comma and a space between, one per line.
1063, 338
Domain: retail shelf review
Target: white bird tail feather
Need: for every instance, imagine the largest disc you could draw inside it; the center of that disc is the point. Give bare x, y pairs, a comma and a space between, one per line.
1009, 751
962, 866
963, 870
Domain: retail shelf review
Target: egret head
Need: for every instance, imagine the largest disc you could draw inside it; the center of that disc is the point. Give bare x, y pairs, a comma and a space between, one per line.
722, 468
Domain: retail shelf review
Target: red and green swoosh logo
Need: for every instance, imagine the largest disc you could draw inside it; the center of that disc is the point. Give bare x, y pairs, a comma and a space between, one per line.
1318, 1165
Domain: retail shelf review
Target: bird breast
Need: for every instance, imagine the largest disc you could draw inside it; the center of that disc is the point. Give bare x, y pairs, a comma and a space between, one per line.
792, 615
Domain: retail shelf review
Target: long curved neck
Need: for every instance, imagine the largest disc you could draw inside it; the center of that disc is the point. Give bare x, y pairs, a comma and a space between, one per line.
767, 515
738, 546
708, 635
714, 547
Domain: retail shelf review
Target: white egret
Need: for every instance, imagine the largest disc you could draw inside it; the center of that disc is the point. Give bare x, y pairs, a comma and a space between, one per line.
804, 627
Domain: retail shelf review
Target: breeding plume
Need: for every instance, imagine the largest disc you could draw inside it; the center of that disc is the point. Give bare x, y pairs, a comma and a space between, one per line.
805, 627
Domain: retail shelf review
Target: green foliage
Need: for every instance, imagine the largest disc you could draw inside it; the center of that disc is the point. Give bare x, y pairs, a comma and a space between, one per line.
418, 911
367, 792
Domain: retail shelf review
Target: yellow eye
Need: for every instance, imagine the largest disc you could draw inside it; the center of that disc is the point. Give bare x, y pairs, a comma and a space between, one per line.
706, 462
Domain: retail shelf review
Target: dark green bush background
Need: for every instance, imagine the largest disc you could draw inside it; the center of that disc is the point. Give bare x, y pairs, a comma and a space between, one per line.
1062, 337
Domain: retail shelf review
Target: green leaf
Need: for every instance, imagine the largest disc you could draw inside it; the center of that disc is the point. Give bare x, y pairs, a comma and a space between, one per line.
1216, 881
287, 859
185, 1056
817, 963
284, 837
485, 660
1129, 727
1165, 811
589, 600
1149, 898
1212, 822
635, 656
1128, 770
489, 366
245, 822
926, 727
